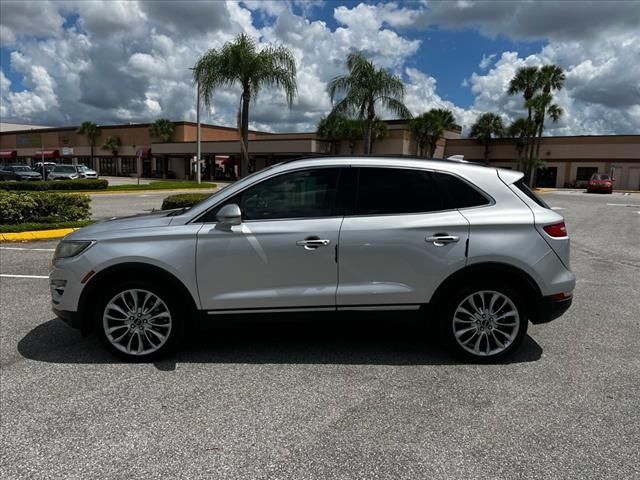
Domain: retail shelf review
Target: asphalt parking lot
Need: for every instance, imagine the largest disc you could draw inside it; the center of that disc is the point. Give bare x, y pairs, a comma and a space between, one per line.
355, 397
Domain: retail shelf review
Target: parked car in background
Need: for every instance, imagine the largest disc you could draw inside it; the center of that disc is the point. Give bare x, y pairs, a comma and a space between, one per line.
86, 172
444, 239
18, 172
600, 182
64, 172
48, 166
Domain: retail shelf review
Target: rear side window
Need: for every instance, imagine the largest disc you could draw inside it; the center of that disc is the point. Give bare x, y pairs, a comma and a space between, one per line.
458, 193
524, 188
389, 191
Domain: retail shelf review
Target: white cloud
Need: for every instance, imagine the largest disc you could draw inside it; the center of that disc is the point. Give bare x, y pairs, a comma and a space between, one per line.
486, 61
129, 61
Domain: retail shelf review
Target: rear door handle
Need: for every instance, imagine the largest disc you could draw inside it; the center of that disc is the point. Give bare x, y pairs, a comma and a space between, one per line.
312, 243
442, 239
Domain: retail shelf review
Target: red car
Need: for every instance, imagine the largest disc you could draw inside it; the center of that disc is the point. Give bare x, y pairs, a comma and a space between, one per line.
600, 182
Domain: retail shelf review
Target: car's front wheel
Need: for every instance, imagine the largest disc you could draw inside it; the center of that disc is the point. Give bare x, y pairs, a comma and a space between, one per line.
139, 321
485, 323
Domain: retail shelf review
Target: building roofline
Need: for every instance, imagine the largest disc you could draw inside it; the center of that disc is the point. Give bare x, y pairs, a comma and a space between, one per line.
125, 125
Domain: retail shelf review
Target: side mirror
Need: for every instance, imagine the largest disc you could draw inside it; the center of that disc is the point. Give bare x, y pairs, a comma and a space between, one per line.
228, 216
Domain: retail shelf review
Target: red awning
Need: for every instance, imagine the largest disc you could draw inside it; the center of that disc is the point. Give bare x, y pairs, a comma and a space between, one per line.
8, 154
46, 154
143, 153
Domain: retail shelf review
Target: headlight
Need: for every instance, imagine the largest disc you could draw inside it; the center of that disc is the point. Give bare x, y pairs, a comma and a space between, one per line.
70, 248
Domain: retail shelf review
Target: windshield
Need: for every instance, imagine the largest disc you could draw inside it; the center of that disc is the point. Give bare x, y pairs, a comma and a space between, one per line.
21, 169
65, 169
82, 168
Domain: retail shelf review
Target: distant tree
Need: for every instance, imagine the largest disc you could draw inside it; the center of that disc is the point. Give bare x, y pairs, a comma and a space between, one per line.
487, 127
162, 129
364, 87
331, 128
520, 131
379, 131
550, 78
91, 131
429, 127
112, 144
239, 62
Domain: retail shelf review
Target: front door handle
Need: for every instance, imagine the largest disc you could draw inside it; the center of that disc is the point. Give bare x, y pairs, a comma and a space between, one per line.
312, 243
442, 239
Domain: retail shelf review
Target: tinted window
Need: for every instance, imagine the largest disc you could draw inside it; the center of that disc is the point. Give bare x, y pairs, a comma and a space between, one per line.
524, 188
384, 191
305, 194
458, 193
66, 169
584, 173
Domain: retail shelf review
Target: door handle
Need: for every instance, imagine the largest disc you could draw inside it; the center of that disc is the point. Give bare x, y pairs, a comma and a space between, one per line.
442, 239
312, 243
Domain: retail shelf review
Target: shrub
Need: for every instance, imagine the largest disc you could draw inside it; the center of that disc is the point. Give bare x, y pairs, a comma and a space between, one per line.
42, 207
41, 185
183, 200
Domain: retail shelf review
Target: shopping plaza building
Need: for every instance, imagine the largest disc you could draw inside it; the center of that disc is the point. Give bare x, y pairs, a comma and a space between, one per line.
569, 161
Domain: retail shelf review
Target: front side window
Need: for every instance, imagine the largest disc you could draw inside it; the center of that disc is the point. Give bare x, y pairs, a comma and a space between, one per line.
392, 191
304, 194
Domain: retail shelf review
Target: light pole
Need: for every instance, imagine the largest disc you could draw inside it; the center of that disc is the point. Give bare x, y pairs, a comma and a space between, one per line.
197, 130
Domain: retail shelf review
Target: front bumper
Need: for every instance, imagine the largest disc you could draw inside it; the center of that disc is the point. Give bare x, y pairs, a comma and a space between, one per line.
70, 318
549, 309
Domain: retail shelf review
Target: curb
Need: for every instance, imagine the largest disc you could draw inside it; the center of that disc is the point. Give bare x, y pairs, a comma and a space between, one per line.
194, 190
36, 235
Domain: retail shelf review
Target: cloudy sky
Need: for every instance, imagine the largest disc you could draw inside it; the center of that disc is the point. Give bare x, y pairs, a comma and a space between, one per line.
115, 62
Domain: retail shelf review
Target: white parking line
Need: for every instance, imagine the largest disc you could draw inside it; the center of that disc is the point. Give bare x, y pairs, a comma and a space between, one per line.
623, 205
557, 208
32, 249
7, 275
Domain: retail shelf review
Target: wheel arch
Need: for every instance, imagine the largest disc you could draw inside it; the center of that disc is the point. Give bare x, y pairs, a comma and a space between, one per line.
132, 270
508, 274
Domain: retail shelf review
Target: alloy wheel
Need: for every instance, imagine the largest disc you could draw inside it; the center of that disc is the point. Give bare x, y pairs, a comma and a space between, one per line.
137, 322
486, 323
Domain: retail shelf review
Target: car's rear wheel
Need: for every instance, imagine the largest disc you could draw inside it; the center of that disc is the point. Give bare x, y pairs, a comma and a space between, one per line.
484, 323
139, 321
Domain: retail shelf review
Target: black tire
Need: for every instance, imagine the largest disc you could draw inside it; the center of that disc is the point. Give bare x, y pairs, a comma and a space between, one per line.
176, 319
495, 329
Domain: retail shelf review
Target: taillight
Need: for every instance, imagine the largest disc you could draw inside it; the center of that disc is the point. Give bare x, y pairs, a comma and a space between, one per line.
556, 230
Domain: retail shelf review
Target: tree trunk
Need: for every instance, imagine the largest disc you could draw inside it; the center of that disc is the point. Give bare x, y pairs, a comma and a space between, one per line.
244, 161
541, 129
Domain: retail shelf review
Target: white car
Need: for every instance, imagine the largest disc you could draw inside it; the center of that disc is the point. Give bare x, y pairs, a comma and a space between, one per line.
468, 247
71, 172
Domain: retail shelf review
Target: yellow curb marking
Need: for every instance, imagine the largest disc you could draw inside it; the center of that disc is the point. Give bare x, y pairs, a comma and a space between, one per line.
36, 235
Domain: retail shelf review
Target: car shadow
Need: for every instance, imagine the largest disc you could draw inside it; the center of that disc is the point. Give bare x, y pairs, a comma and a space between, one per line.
354, 339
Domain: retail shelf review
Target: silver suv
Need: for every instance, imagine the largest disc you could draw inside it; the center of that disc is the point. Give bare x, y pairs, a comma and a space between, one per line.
467, 246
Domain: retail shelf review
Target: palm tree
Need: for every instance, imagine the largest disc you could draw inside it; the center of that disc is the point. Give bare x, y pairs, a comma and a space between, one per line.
352, 132
550, 77
429, 127
526, 82
112, 144
379, 131
92, 132
241, 63
487, 127
362, 89
331, 128
521, 130
162, 129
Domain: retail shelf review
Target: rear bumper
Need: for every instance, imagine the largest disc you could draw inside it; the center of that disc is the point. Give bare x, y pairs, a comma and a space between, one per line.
549, 309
